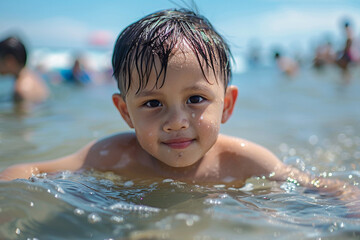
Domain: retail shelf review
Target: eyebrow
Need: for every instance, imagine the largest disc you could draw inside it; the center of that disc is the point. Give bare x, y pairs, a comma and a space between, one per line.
150, 93
199, 87
147, 93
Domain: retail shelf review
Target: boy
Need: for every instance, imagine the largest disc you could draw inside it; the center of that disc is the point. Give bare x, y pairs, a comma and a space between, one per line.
173, 70
28, 86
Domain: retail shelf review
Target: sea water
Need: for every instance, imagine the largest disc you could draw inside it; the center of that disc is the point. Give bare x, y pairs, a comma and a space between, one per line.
310, 121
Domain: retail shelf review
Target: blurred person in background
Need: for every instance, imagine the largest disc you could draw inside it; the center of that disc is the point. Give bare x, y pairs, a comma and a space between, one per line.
28, 86
324, 55
346, 55
79, 73
287, 65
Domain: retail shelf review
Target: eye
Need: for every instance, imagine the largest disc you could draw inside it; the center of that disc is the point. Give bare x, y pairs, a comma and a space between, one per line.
153, 104
195, 99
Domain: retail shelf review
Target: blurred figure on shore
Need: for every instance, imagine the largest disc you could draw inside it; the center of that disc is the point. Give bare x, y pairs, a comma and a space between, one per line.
324, 55
28, 86
286, 65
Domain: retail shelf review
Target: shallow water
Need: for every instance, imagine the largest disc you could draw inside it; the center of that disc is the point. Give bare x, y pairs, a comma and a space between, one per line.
310, 121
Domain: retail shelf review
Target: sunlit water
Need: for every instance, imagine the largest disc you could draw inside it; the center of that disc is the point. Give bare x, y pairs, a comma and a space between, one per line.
310, 121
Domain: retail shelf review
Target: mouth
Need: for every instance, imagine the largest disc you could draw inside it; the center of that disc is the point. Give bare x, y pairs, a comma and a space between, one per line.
179, 143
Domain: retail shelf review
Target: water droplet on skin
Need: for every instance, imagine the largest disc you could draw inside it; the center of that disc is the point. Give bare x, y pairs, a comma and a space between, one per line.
193, 115
202, 117
228, 179
104, 152
242, 145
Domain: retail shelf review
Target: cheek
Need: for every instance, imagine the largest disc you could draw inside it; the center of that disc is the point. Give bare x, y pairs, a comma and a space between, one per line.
142, 123
208, 124
147, 137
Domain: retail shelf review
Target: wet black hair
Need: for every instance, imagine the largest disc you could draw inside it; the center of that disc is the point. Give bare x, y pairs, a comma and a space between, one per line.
156, 35
14, 47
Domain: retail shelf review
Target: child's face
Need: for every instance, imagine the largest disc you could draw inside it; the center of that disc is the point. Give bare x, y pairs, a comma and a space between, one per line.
179, 122
7, 64
3, 67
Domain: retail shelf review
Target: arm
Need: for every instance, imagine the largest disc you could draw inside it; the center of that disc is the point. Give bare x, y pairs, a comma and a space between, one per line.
72, 162
334, 187
261, 162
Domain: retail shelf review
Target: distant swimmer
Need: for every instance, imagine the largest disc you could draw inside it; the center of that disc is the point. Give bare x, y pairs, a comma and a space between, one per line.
324, 55
78, 74
287, 65
346, 55
28, 86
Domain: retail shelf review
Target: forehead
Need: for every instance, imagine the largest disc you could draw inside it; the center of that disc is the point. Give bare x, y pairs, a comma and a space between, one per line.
182, 51
181, 61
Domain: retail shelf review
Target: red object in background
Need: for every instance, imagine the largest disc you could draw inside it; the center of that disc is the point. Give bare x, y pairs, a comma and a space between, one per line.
100, 38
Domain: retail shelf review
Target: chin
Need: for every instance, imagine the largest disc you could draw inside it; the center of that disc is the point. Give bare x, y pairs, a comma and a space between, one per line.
180, 163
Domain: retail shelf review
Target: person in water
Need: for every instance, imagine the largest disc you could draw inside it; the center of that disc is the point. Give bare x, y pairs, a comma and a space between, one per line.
173, 71
286, 65
346, 56
324, 55
78, 74
28, 87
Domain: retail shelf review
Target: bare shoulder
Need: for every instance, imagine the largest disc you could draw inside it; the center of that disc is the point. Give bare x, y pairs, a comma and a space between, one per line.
256, 159
241, 146
116, 140
31, 87
112, 150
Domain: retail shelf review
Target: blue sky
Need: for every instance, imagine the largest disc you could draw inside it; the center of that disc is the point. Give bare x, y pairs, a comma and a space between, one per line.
287, 23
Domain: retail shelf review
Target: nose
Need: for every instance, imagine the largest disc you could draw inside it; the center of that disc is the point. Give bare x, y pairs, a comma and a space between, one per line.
176, 120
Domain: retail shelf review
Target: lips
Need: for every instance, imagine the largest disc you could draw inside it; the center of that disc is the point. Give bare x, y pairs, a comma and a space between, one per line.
180, 143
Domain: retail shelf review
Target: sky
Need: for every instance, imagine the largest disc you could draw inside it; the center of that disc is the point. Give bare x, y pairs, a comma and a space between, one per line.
290, 24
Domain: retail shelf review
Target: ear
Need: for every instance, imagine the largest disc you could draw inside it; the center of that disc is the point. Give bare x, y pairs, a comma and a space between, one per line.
121, 106
229, 102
